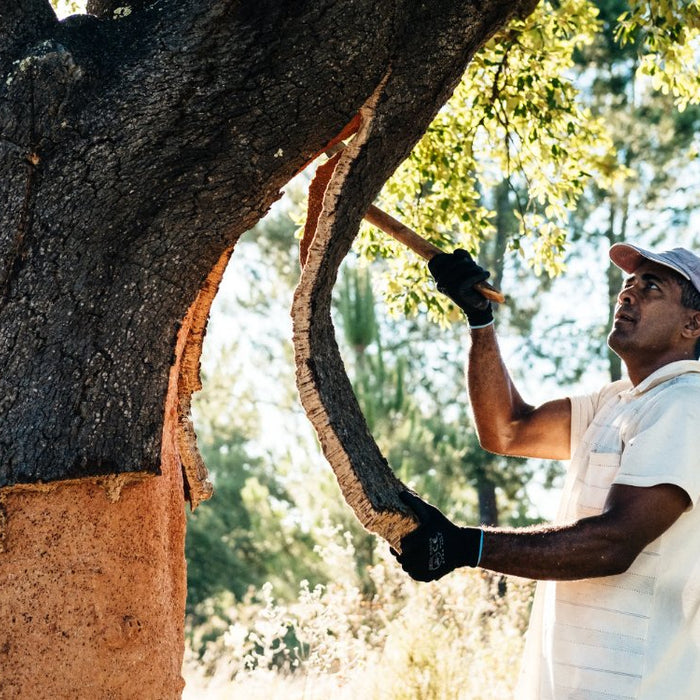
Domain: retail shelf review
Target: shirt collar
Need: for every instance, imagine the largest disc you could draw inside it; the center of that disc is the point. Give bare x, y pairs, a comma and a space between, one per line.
663, 374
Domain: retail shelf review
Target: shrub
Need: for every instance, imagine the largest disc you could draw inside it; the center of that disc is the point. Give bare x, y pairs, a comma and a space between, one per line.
457, 638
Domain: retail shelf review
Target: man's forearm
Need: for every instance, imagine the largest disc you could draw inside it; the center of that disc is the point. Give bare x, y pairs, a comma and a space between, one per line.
586, 549
505, 423
495, 401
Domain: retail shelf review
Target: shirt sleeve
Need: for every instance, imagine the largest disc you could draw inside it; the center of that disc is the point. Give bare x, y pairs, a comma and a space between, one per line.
581, 417
584, 408
660, 446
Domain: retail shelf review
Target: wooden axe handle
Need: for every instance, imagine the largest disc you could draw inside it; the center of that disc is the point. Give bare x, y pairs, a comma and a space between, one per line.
419, 245
387, 223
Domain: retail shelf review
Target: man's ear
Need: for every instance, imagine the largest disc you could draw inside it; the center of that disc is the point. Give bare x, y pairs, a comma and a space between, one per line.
691, 329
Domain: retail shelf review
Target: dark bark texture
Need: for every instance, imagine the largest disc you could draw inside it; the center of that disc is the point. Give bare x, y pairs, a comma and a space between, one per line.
136, 146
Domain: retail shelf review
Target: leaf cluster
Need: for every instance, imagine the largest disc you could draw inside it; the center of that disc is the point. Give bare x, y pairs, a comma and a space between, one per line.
523, 115
516, 116
667, 33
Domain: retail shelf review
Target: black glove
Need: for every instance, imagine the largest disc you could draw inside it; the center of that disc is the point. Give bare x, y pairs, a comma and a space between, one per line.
437, 546
456, 274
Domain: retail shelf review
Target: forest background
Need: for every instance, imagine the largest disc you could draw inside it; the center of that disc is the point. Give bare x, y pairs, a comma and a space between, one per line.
572, 130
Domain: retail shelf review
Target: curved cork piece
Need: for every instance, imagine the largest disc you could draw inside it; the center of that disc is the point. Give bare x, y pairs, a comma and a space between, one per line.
366, 481
184, 381
317, 190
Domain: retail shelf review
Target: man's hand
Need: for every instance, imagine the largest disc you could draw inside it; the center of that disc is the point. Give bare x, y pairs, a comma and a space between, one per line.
437, 546
455, 275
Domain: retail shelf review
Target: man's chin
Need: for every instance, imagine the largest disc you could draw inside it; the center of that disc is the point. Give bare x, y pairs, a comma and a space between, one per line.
615, 342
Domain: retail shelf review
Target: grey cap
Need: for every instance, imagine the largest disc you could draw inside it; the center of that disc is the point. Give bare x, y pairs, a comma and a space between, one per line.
629, 257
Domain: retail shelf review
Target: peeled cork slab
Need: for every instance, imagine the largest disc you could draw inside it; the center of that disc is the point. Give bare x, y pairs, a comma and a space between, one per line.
366, 481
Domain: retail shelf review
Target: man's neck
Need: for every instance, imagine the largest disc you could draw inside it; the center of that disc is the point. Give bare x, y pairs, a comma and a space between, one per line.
638, 372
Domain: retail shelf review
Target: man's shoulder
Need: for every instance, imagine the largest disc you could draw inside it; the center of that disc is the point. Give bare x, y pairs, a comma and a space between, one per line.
684, 385
678, 396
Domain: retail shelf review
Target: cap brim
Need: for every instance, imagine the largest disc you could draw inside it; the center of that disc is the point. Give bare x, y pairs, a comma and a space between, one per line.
629, 257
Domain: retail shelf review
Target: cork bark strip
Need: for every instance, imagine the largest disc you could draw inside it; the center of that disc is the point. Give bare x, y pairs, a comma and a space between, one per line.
184, 381
317, 190
366, 481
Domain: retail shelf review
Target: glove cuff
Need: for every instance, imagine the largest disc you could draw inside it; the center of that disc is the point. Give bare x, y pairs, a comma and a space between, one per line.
472, 545
485, 325
479, 318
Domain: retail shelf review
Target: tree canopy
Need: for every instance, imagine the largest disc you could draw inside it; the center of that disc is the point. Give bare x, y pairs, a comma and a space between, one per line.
526, 114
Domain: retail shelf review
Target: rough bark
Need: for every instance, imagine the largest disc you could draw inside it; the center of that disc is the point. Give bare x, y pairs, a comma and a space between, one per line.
136, 146
135, 152
394, 118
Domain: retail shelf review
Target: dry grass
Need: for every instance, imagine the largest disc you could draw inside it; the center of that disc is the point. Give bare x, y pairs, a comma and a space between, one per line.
458, 638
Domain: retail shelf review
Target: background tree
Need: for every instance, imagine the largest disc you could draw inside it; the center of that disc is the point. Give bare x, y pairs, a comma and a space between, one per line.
259, 525
654, 130
250, 532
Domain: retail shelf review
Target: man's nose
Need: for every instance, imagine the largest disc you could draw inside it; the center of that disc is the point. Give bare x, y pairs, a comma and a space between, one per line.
626, 295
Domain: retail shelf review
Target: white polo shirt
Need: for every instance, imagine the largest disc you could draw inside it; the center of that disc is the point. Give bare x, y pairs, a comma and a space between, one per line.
637, 634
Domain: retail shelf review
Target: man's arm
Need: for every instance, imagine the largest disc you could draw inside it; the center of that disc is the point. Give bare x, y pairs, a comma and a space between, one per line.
602, 545
504, 422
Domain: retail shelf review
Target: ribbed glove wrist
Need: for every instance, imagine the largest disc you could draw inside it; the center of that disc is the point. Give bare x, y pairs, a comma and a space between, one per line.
437, 546
472, 542
479, 318
455, 548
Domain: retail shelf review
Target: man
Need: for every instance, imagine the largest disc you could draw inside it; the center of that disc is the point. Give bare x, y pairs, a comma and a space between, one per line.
617, 610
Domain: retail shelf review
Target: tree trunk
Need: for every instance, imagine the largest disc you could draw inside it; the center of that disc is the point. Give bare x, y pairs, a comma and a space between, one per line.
488, 502
136, 146
614, 279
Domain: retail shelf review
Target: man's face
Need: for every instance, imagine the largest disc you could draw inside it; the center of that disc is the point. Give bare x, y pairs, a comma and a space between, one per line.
649, 318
